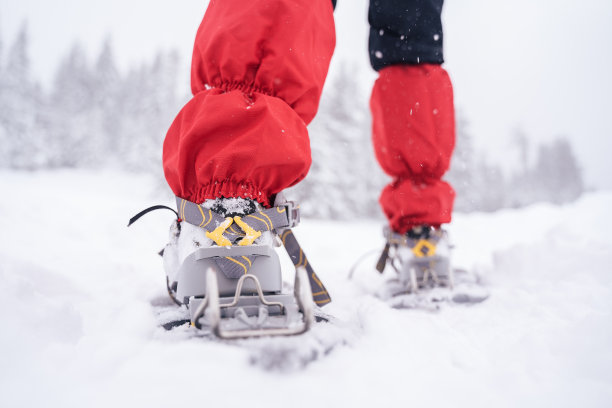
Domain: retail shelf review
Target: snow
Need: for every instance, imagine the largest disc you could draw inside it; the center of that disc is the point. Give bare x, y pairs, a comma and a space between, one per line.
79, 329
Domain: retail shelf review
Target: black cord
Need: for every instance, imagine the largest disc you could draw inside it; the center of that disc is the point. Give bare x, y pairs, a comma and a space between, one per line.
148, 210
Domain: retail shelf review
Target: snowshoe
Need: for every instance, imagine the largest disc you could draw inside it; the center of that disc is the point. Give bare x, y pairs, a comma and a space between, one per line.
424, 278
421, 259
221, 265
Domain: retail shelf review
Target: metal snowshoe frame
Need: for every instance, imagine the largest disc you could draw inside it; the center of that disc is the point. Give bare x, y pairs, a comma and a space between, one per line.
254, 301
211, 308
419, 274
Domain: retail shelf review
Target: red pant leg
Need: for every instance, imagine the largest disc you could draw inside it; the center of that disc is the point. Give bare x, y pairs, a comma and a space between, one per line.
414, 137
257, 73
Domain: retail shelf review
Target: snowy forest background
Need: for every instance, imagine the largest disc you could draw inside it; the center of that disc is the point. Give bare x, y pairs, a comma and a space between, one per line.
95, 116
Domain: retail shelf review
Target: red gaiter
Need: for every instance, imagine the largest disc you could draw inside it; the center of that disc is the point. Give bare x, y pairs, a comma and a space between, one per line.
257, 74
414, 136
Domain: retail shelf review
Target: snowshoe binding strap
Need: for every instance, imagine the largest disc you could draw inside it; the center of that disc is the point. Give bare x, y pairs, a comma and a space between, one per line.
280, 219
271, 219
382, 261
298, 257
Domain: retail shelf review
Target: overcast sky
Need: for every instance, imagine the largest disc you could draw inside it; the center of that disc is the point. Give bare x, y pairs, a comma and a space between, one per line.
538, 65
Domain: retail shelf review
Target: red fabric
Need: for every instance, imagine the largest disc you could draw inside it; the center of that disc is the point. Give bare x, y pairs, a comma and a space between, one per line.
414, 136
257, 73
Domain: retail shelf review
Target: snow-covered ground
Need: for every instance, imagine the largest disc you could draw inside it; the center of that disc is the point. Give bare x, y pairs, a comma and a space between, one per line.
78, 325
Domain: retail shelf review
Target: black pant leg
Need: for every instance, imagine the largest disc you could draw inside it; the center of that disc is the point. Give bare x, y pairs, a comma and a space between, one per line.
405, 32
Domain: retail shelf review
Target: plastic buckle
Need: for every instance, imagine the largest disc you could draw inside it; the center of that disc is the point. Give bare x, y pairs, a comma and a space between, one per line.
293, 213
